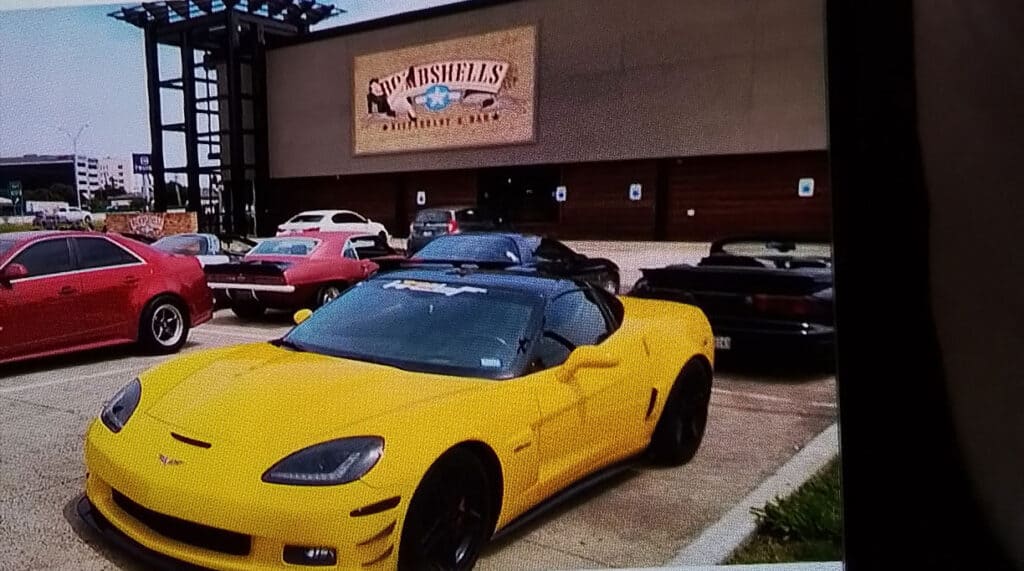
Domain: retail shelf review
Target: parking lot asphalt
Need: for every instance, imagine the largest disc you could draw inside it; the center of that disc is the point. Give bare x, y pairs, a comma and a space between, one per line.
642, 517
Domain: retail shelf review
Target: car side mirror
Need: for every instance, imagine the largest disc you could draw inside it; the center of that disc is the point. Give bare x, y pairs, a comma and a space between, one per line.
301, 315
13, 272
587, 357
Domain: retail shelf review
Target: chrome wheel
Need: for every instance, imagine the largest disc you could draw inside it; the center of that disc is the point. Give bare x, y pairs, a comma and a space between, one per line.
329, 293
167, 325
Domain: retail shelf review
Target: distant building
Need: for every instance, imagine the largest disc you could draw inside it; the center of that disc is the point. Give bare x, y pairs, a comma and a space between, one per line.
43, 171
117, 172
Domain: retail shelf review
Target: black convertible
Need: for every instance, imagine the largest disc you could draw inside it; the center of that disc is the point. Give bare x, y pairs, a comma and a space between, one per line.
520, 251
770, 296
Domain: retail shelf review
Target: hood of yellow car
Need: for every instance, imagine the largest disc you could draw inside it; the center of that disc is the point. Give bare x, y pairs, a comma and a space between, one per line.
274, 395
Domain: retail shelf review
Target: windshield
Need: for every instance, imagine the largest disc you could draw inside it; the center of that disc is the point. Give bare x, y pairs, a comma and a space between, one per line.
778, 248
307, 218
285, 247
434, 216
471, 248
185, 245
422, 326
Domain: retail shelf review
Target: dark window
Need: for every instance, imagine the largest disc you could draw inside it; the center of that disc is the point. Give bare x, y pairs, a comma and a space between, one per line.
367, 247
100, 253
45, 258
554, 251
347, 218
472, 248
548, 353
577, 318
424, 326
433, 216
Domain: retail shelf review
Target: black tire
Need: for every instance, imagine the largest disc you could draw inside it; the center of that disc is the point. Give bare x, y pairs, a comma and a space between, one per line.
683, 421
164, 326
328, 293
248, 311
451, 516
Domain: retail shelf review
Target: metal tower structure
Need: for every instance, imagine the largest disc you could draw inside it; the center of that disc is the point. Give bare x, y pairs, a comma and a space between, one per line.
222, 86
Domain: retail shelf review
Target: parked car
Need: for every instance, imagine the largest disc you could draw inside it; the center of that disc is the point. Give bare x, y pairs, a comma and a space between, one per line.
209, 249
765, 295
430, 409
512, 250
62, 291
292, 272
430, 223
331, 221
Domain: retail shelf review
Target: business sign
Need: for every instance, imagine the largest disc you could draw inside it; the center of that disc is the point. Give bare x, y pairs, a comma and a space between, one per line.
635, 191
467, 92
561, 193
421, 197
141, 163
805, 188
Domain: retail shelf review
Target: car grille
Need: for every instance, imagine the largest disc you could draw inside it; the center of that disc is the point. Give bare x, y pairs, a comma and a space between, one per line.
205, 537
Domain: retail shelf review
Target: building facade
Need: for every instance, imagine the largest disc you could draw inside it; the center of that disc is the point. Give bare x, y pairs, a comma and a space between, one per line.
116, 172
596, 119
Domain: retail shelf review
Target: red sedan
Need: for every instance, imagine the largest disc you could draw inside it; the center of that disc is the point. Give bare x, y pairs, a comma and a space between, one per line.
68, 291
295, 272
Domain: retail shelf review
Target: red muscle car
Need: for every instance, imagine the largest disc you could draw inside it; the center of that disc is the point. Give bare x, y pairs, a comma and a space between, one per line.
68, 291
295, 272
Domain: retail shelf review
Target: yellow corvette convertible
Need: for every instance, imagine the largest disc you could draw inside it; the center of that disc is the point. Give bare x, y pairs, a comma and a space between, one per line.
400, 426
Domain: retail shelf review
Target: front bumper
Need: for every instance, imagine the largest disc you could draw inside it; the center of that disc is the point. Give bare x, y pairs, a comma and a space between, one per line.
269, 517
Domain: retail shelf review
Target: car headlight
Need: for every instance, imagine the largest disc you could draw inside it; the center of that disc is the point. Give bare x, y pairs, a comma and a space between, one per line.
119, 409
330, 463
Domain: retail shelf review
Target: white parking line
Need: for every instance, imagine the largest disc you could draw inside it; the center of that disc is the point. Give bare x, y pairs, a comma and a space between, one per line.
770, 398
66, 379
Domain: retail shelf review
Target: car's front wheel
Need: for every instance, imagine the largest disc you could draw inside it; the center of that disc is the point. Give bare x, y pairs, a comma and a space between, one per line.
450, 517
680, 430
164, 326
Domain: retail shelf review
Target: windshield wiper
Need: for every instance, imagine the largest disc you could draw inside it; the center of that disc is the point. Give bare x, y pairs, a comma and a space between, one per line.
282, 342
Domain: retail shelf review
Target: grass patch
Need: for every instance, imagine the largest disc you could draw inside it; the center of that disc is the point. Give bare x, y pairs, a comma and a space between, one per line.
14, 227
806, 526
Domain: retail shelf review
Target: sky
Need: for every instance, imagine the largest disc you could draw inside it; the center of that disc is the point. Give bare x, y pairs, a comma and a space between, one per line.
68, 66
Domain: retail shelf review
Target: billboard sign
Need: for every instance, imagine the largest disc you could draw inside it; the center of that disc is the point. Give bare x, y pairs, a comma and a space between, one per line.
467, 92
141, 163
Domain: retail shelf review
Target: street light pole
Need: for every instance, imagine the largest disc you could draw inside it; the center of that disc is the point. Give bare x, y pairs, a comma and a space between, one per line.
74, 159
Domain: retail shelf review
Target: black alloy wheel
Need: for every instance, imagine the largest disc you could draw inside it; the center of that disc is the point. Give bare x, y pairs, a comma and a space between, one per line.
450, 517
680, 429
164, 326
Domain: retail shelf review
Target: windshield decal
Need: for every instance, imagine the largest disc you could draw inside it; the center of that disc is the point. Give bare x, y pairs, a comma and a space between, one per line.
432, 287
490, 363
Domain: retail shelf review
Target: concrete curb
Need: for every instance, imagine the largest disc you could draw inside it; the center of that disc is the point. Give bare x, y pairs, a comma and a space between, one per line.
718, 542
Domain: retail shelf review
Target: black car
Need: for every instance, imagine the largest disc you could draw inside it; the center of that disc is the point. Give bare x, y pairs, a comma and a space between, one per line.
768, 296
430, 223
521, 251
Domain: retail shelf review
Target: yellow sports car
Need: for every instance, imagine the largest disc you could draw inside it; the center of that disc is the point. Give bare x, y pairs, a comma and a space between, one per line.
401, 425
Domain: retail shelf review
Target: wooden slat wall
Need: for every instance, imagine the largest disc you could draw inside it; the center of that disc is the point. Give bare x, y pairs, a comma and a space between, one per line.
730, 195
744, 194
598, 205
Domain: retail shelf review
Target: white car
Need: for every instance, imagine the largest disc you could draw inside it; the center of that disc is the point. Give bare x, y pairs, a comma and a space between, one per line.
331, 221
73, 215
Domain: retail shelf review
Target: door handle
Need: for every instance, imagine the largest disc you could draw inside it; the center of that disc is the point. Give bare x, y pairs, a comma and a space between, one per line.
131, 280
68, 290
